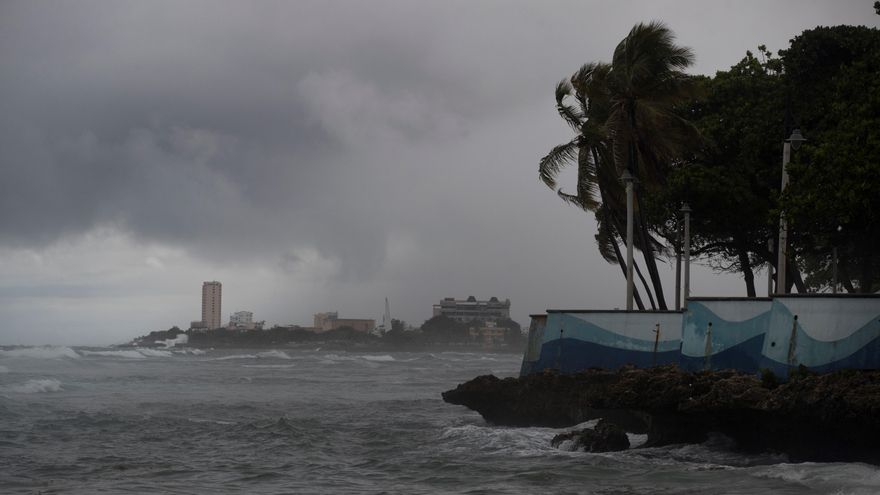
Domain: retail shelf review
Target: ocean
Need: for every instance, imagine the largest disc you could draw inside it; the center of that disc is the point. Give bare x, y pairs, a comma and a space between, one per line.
103, 420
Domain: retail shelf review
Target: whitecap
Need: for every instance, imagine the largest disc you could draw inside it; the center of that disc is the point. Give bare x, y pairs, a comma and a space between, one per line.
274, 354
38, 386
128, 354
40, 352
235, 356
269, 366
140, 353
850, 478
382, 358
155, 353
180, 339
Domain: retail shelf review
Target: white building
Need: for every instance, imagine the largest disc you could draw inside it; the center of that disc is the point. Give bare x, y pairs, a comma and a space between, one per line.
212, 295
465, 310
244, 320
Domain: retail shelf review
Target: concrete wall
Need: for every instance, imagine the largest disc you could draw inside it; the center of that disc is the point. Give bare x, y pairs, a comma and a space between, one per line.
723, 333
576, 340
822, 332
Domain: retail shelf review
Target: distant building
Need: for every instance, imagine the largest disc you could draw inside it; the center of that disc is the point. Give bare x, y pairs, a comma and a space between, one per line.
198, 326
212, 294
465, 310
244, 320
331, 321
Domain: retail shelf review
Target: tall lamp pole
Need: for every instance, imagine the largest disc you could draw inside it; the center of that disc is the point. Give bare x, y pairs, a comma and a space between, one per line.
686, 210
792, 143
628, 179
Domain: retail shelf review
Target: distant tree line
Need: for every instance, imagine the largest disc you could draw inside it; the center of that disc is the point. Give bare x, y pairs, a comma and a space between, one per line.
437, 331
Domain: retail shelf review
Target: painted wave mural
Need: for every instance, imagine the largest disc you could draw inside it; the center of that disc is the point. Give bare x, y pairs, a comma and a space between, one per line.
822, 332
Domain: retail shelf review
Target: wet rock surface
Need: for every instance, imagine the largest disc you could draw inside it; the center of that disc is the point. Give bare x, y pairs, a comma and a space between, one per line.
832, 417
605, 437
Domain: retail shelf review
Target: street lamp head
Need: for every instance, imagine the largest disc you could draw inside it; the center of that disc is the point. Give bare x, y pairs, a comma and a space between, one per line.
626, 176
796, 139
685, 208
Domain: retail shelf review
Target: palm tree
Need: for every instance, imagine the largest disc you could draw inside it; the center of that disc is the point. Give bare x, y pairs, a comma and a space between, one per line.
625, 118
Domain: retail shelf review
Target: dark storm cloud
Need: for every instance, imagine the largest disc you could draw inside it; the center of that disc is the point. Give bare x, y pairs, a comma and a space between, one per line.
217, 126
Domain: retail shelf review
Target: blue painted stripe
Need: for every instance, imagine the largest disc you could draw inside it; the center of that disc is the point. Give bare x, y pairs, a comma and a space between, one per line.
744, 357
572, 355
725, 334
576, 328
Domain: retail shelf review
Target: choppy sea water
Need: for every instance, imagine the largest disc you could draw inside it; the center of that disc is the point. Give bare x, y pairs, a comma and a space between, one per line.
87, 420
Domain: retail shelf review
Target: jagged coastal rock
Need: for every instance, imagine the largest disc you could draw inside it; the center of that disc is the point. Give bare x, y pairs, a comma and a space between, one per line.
831, 417
604, 437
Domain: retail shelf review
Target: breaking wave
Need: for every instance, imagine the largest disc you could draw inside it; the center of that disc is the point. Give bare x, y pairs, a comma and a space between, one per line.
38, 386
273, 354
40, 352
129, 353
383, 358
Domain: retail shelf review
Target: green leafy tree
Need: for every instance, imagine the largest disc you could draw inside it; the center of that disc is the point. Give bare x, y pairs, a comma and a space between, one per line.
833, 201
732, 181
442, 329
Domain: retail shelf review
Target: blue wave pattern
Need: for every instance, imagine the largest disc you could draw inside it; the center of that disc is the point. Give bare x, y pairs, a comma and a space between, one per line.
731, 344
772, 339
787, 345
572, 343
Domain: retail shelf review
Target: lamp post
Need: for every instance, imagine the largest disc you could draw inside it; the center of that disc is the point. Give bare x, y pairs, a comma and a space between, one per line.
686, 210
629, 180
792, 143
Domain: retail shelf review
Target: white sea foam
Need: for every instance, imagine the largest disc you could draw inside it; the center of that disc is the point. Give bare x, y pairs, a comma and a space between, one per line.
155, 353
189, 352
38, 386
383, 358
857, 478
41, 352
140, 353
180, 339
269, 366
512, 441
235, 356
274, 355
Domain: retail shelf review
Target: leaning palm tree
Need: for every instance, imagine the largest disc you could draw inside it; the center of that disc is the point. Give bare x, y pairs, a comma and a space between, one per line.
625, 118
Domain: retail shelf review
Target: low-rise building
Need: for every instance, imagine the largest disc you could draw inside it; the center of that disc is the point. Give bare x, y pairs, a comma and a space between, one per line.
331, 321
465, 310
244, 320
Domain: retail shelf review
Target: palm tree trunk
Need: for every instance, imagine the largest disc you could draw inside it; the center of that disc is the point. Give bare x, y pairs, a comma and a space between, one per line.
644, 283
647, 249
622, 263
648, 253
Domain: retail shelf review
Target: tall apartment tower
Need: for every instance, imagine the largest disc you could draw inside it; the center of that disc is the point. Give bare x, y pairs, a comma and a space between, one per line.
212, 293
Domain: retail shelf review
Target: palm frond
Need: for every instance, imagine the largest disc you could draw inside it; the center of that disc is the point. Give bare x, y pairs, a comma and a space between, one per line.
573, 116
559, 157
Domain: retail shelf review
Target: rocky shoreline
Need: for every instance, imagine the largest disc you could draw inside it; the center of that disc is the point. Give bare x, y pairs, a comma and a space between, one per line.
825, 418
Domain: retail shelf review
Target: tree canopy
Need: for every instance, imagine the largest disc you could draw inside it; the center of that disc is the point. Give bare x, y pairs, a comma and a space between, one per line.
716, 144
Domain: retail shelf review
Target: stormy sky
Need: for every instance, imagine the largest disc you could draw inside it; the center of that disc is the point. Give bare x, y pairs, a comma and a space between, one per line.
311, 156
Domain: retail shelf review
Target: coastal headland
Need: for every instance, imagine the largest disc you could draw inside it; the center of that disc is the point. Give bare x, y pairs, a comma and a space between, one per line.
829, 417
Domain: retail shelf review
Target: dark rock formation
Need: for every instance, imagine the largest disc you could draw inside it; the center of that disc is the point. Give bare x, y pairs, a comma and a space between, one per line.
605, 437
832, 417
